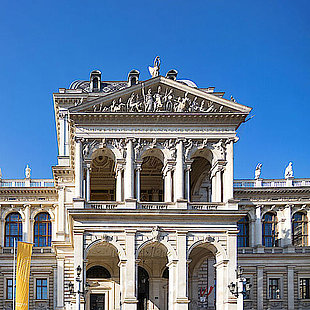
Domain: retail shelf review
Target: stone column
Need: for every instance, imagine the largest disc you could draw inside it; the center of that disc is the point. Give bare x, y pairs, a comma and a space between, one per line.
258, 227
78, 168
138, 180
78, 239
119, 190
290, 287
129, 171
26, 230
221, 282
211, 281
130, 300
61, 213
188, 180
172, 265
260, 287
60, 283
213, 186
182, 272
88, 169
179, 172
62, 129
168, 184
228, 176
286, 227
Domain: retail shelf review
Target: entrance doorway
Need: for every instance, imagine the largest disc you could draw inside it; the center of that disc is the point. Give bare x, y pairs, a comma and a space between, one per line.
97, 301
143, 288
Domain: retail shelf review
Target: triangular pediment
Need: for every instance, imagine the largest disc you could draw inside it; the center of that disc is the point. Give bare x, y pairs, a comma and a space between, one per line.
160, 95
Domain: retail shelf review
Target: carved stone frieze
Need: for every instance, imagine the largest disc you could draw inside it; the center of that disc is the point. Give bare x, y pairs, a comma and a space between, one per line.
160, 99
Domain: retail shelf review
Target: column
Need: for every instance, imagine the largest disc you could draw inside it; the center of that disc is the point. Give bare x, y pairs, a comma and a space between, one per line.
138, 181
60, 283
168, 185
188, 181
213, 186
219, 185
61, 212
229, 171
260, 287
182, 271
287, 227
62, 126
179, 172
122, 275
130, 300
26, 230
211, 281
221, 282
88, 167
290, 287
258, 227
119, 183
78, 168
172, 265
78, 239
129, 171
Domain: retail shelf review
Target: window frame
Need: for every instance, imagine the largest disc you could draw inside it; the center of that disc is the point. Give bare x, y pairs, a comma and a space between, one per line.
10, 223
280, 286
303, 236
7, 287
274, 228
302, 277
48, 227
36, 287
245, 238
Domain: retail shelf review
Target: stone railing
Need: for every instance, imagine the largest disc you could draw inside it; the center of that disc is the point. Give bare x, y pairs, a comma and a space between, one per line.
274, 250
248, 183
26, 183
205, 205
104, 205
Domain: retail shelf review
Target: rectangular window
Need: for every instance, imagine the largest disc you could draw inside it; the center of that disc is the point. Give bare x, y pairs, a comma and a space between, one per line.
41, 288
274, 288
9, 288
304, 288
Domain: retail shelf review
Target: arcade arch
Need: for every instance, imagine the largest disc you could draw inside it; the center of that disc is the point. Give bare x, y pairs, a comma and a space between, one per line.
153, 282
102, 175
200, 176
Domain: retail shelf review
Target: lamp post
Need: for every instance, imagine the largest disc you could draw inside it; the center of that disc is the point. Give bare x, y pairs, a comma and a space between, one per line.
79, 292
234, 287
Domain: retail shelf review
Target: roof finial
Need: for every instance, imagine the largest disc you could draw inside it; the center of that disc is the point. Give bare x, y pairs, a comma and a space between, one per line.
154, 71
27, 172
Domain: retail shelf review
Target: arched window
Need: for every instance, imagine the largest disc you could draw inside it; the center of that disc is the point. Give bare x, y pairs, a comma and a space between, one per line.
42, 230
243, 234
13, 228
299, 229
98, 272
270, 230
95, 83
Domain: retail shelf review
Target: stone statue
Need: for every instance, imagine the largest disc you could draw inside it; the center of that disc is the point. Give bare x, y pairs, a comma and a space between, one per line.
27, 172
289, 171
258, 171
149, 102
154, 71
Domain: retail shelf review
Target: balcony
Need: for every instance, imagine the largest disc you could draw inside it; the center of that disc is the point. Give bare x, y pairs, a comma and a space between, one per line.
248, 183
7, 183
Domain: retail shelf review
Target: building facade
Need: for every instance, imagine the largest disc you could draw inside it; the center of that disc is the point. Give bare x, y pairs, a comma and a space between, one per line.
143, 211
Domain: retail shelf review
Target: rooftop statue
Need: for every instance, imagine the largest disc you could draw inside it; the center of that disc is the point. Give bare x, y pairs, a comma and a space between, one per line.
258, 171
289, 171
27, 172
154, 71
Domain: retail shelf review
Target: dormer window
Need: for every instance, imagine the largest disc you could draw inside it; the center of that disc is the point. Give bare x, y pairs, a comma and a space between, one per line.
95, 80
133, 77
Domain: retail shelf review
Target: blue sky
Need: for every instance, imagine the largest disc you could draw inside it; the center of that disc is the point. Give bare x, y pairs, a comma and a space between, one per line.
258, 51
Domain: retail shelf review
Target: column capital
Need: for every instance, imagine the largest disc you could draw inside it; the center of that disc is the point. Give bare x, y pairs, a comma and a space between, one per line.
130, 231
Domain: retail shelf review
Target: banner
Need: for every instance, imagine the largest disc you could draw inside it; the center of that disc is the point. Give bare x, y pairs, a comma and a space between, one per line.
22, 275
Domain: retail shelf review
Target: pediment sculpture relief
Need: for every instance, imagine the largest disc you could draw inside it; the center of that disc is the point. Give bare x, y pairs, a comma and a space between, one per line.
160, 99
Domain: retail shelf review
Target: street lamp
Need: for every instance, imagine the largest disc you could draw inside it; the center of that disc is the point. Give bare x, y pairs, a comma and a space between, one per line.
79, 292
234, 287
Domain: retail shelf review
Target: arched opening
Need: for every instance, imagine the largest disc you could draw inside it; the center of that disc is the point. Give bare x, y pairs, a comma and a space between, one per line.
270, 230
42, 230
202, 278
152, 265
13, 229
151, 180
243, 234
95, 83
200, 176
103, 277
102, 176
300, 229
